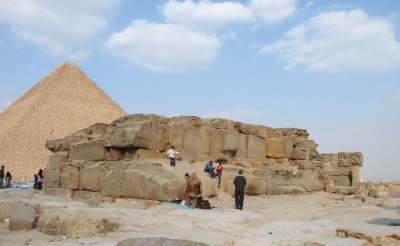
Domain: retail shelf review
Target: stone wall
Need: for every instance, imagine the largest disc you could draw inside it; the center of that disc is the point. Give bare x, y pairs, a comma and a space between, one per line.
110, 158
338, 166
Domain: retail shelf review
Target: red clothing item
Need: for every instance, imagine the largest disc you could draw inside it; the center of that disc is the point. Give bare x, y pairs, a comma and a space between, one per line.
220, 169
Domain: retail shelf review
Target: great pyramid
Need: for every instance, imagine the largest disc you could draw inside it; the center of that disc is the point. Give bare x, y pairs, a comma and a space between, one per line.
63, 102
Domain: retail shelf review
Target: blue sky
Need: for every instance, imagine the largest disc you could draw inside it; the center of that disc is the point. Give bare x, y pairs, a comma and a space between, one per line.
331, 67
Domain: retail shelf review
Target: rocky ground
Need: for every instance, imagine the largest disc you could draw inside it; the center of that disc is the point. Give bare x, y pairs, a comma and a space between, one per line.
317, 218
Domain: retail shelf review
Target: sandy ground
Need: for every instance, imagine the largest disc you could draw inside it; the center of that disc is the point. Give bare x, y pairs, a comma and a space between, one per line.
308, 219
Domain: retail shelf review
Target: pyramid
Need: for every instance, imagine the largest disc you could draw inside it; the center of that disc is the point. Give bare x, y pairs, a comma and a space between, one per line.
64, 102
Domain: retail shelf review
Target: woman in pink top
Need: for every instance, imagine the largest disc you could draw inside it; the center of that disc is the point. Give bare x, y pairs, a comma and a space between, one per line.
40, 179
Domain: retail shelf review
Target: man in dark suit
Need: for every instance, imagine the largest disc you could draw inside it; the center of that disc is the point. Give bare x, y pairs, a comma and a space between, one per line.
240, 184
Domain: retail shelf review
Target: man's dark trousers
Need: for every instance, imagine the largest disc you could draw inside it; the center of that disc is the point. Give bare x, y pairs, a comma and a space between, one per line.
239, 198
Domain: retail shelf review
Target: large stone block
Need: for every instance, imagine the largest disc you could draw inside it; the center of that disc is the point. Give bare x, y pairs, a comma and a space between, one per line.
145, 154
304, 143
90, 175
191, 135
140, 135
70, 181
279, 148
257, 148
299, 154
52, 179
224, 144
217, 123
90, 150
347, 159
150, 181
21, 217
65, 193
57, 158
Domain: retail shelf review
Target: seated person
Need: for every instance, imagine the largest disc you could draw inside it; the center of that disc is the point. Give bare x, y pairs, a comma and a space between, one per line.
209, 168
193, 190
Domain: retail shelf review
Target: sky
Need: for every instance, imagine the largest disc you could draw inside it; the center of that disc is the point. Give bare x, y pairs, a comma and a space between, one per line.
330, 67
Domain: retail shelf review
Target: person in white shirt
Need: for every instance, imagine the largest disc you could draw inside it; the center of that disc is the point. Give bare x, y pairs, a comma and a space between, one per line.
171, 153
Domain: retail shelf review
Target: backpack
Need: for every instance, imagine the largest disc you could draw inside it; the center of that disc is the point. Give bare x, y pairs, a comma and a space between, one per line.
204, 204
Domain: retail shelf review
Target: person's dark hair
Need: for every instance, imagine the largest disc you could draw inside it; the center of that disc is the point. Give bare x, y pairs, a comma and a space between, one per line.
240, 171
40, 173
2, 167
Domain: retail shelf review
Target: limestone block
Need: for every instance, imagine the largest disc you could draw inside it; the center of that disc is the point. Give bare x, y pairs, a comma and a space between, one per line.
279, 148
90, 175
247, 129
21, 217
70, 167
57, 145
373, 193
52, 179
57, 158
347, 159
348, 190
90, 150
243, 146
260, 165
332, 189
114, 154
299, 154
261, 131
303, 143
224, 144
131, 120
66, 193
70, 181
217, 123
150, 181
145, 154
257, 148
256, 186
189, 134
144, 135
274, 134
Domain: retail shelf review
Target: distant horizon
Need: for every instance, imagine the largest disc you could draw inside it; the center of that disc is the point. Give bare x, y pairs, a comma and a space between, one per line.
330, 68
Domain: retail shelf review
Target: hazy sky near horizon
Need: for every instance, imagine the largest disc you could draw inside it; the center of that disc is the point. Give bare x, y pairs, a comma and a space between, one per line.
330, 67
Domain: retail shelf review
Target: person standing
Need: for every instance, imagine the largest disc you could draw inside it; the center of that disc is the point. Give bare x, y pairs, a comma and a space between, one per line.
220, 169
8, 180
35, 177
171, 153
240, 183
40, 179
1, 177
350, 175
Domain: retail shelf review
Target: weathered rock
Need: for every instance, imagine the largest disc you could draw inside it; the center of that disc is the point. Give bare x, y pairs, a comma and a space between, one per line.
279, 148
21, 217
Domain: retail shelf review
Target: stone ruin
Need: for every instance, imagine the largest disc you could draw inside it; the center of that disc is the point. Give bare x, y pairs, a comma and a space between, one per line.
127, 159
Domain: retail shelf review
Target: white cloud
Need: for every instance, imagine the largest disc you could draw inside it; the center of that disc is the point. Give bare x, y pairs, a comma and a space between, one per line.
60, 28
206, 15
164, 47
273, 11
238, 115
344, 41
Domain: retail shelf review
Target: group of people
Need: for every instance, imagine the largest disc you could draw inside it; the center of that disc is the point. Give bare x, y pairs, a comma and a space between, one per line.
193, 190
7, 178
38, 179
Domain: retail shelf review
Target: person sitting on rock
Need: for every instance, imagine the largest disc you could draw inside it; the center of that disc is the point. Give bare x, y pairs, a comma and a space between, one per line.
193, 190
209, 168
